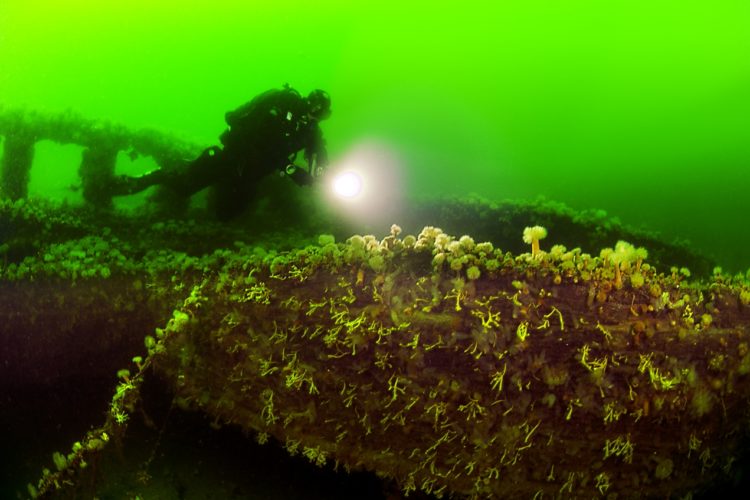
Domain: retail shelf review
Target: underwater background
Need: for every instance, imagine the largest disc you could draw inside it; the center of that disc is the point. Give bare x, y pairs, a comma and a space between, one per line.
638, 108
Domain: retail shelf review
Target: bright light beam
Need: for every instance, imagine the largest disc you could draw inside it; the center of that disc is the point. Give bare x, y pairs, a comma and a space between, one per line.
347, 185
364, 185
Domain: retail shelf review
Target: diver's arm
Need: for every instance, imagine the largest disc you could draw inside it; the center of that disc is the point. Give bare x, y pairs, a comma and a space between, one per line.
315, 152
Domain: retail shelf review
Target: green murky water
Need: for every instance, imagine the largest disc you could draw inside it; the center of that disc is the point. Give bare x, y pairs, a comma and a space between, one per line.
637, 108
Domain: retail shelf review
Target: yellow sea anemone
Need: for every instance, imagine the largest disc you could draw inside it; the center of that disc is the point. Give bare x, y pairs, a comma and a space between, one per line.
532, 235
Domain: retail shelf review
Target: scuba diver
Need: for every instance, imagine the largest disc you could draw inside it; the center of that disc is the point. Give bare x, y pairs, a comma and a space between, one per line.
263, 136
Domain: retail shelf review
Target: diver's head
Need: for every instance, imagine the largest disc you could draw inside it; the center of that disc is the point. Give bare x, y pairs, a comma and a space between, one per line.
319, 103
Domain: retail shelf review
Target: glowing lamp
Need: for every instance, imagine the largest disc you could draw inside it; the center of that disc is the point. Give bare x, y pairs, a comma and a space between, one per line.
347, 185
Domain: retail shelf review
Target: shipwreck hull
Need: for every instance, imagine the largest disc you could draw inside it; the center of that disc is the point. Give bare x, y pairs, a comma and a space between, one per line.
525, 379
